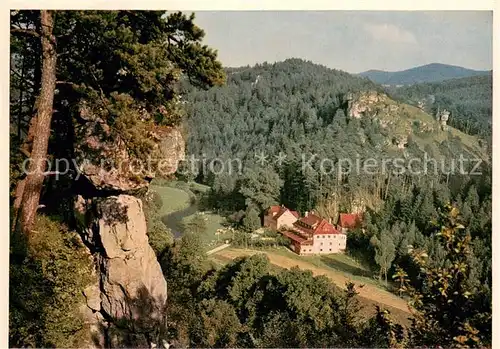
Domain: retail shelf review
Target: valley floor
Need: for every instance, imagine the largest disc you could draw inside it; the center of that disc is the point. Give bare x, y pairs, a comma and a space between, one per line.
370, 295
178, 206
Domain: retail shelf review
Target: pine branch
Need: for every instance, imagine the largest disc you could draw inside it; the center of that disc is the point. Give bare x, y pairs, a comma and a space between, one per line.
24, 31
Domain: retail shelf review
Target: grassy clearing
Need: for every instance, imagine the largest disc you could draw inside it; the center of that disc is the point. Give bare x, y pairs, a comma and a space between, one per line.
177, 196
339, 262
174, 199
213, 223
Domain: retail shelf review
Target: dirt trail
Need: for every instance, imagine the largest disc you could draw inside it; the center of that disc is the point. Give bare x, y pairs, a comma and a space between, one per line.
370, 292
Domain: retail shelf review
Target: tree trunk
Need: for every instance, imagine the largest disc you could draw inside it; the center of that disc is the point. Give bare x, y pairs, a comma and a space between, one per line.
387, 187
21, 95
34, 180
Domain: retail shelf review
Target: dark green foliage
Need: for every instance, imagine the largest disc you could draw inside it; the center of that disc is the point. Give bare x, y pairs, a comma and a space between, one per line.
448, 310
291, 308
123, 69
251, 221
217, 326
468, 99
47, 277
160, 237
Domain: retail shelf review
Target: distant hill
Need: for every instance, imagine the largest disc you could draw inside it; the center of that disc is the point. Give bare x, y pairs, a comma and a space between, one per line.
434, 72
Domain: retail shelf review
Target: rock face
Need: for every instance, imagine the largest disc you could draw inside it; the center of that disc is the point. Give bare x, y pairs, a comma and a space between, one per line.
132, 284
132, 291
401, 141
362, 103
443, 118
106, 161
126, 308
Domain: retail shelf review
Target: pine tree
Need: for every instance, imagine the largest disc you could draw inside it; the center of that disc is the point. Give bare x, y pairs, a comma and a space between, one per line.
123, 67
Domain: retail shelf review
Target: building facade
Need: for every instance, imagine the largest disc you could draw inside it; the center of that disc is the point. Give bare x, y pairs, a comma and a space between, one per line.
280, 217
308, 235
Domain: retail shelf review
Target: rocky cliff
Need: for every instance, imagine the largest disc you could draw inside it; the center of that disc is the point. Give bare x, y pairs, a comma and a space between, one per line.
402, 123
126, 306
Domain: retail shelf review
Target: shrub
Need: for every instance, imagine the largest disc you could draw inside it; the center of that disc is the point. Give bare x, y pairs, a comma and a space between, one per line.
47, 276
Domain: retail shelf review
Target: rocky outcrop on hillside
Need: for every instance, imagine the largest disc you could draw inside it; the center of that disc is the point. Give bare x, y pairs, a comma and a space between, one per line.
126, 307
107, 161
368, 104
132, 292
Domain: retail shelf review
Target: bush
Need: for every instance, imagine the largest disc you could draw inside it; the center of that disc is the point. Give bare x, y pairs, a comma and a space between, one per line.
47, 276
160, 237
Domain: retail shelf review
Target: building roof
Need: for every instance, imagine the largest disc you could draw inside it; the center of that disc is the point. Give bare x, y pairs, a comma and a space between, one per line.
278, 211
311, 220
349, 220
314, 225
324, 227
292, 236
274, 209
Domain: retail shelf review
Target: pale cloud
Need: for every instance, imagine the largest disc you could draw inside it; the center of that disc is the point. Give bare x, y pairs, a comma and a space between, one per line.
390, 33
345, 40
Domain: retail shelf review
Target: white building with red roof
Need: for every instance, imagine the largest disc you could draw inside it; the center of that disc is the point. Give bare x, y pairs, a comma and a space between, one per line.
308, 235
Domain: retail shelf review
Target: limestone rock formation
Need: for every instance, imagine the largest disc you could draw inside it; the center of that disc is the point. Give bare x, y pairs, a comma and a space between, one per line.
105, 159
132, 283
362, 103
443, 118
132, 291
126, 308
401, 141
171, 146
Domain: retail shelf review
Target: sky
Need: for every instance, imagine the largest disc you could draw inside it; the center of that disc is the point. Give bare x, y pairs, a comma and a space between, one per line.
353, 41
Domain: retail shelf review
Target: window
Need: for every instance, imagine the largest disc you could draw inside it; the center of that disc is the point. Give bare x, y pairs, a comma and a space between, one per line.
330, 249
321, 244
321, 249
330, 243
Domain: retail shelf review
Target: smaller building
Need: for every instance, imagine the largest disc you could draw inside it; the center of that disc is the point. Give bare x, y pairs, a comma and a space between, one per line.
349, 221
280, 217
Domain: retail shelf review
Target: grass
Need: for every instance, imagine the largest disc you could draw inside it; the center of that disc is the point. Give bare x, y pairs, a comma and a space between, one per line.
213, 222
220, 261
177, 196
174, 199
339, 262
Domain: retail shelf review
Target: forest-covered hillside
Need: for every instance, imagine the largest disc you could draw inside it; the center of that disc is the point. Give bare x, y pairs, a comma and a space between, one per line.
299, 109
468, 99
295, 110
